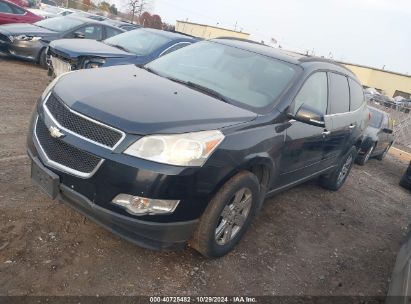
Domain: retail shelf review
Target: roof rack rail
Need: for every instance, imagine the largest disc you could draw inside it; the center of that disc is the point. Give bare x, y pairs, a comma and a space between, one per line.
181, 33
240, 39
307, 58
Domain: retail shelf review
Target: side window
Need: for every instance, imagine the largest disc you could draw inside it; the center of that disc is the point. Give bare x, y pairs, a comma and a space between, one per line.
111, 31
339, 94
5, 8
313, 93
94, 32
356, 95
175, 47
19, 11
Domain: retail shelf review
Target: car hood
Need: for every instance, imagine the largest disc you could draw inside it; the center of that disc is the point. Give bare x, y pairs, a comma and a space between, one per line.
26, 29
139, 102
86, 47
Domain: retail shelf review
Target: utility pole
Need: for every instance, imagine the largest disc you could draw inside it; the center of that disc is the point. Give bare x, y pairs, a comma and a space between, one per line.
235, 26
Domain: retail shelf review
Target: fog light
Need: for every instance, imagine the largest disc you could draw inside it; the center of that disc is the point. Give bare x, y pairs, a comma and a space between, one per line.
137, 205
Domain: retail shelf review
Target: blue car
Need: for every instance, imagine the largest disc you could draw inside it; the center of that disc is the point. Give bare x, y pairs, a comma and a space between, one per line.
138, 47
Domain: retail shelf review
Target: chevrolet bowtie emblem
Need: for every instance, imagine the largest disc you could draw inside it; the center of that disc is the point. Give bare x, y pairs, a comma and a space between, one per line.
55, 132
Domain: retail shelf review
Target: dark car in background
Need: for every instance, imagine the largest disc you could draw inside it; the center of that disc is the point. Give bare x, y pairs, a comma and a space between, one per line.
187, 147
127, 26
406, 178
30, 41
11, 13
138, 47
377, 138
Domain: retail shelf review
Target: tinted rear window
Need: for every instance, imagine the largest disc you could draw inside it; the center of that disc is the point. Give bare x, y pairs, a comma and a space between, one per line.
356, 95
339, 94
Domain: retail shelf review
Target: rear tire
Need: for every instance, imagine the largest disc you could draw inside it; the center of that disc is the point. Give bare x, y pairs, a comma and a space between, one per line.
43, 59
227, 216
362, 159
383, 154
336, 179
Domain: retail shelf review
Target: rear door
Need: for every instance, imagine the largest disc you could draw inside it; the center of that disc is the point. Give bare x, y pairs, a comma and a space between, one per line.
343, 121
303, 150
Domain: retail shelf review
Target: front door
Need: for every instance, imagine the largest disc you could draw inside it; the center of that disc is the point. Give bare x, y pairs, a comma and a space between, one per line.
303, 150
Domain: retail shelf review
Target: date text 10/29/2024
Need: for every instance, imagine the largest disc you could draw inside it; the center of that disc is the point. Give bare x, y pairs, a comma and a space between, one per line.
205, 299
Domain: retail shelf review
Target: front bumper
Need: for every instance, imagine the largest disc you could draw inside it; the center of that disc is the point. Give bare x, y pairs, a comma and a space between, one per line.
29, 50
146, 234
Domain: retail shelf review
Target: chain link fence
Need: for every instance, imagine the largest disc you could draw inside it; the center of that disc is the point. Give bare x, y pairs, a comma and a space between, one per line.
402, 121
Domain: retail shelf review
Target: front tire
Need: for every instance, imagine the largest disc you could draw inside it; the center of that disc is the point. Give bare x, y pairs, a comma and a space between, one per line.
227, 216
336, 179
42, 58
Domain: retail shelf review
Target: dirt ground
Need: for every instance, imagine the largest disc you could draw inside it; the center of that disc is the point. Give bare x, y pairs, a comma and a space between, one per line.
305, 241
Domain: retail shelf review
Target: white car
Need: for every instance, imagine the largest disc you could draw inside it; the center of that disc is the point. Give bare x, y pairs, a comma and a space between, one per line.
51, 11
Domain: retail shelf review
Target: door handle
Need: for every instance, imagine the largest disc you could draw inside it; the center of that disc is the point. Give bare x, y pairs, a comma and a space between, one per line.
351, 126
325, 132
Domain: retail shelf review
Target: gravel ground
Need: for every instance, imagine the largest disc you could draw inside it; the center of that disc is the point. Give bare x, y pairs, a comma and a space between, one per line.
305, 241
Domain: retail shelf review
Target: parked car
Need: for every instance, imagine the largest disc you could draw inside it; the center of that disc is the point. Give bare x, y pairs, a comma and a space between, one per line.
127, 26
51, 12
406, 178
11, 13
21, 3
83, 14
378, 137
187, 147
47, 3
135, 47
29, 41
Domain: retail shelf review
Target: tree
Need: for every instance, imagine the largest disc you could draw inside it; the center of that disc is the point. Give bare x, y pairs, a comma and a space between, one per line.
145, 19
104, 6
137, 7
156, 22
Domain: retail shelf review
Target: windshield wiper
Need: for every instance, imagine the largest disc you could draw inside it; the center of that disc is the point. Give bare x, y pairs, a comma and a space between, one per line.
192, 85
119, 47
201, 88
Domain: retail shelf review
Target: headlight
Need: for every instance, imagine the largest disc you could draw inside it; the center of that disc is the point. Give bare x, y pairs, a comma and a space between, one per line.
26, 38
94, 63
188, 149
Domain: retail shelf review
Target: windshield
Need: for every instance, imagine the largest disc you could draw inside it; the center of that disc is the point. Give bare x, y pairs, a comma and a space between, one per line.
59, 24
376, 118
244, 78
139, 42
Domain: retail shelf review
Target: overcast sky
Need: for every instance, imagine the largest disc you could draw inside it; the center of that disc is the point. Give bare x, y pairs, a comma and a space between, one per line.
368, 32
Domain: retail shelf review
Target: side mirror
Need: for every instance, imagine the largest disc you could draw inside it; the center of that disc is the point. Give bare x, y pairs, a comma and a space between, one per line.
386, 130
309, 115
79, 35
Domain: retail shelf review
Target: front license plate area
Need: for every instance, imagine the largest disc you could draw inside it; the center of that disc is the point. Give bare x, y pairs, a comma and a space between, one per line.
44, 178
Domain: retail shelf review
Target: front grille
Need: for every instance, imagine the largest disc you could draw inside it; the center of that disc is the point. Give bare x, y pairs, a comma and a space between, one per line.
4, 38
80, 125
65, 154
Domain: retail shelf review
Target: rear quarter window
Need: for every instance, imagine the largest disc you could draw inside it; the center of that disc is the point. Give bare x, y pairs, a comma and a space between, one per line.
356, 95
339, 94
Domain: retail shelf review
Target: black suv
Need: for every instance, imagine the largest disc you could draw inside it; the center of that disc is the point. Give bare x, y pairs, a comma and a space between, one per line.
187, 147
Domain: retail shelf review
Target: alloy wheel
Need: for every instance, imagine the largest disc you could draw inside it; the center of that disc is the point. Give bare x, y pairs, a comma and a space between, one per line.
233, 216
345, 168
